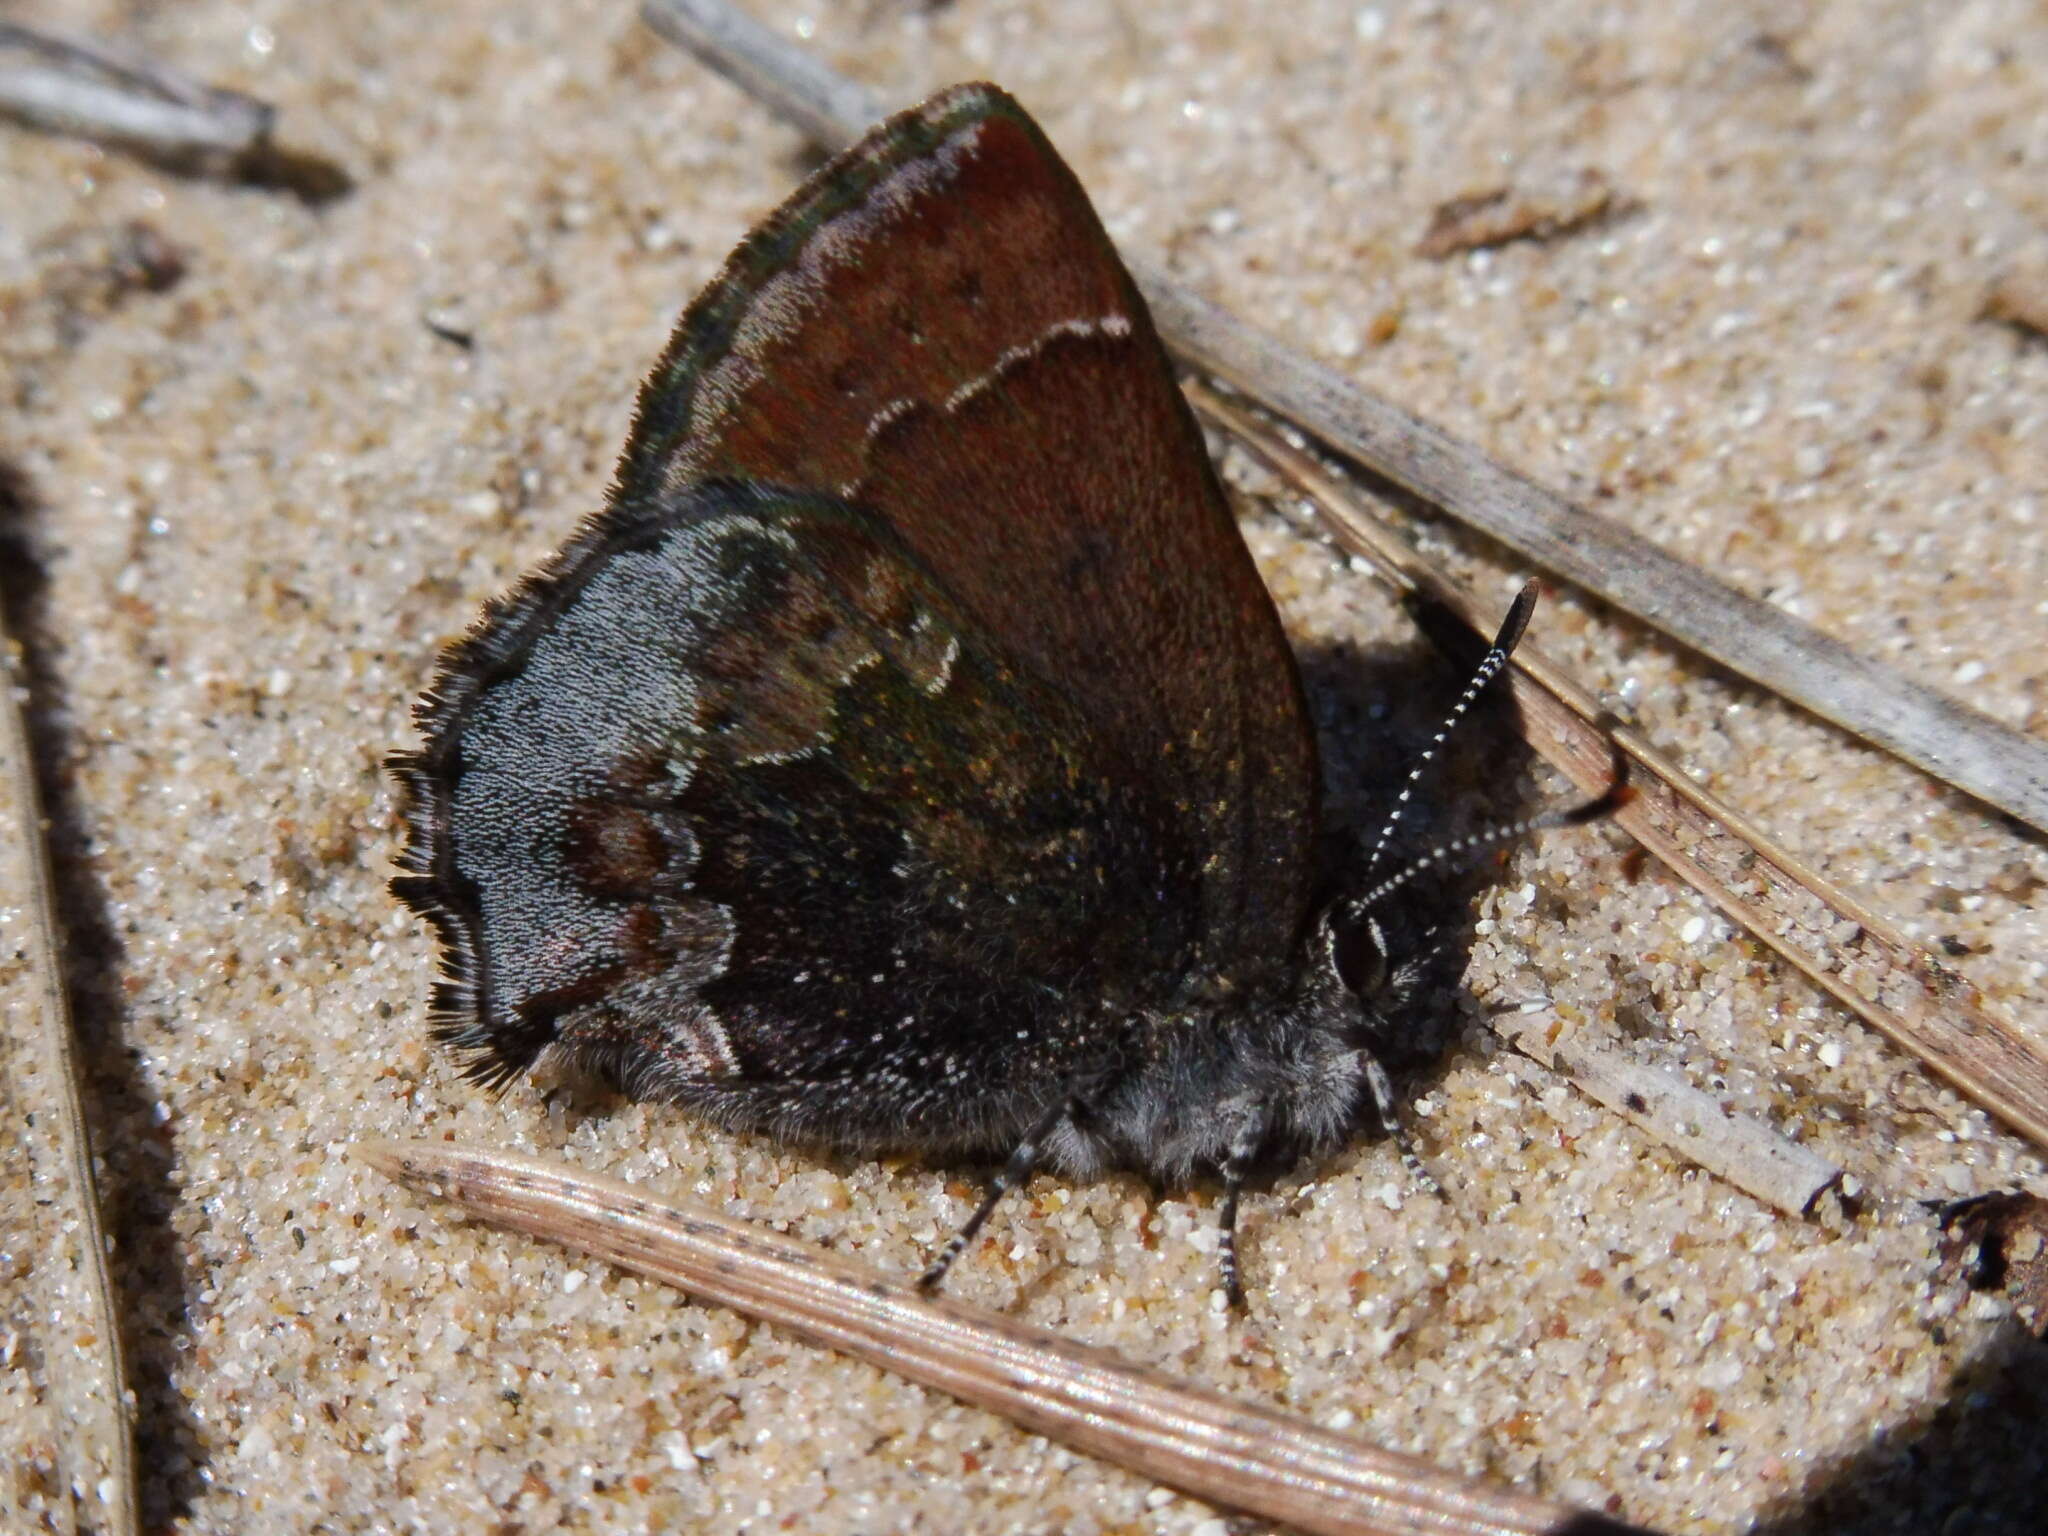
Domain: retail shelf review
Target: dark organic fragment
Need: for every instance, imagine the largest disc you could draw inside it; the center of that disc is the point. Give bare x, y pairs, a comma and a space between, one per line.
2019, 298
1501, 215
1999, 1242
908, 755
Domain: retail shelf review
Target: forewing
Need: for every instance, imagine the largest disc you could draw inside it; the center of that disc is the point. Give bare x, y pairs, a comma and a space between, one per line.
936, 325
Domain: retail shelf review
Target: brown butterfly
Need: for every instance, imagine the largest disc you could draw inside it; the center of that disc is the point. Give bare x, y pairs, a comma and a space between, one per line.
908, 755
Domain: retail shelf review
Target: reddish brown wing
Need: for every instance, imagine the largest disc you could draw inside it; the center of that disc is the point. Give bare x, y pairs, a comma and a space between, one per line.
937, 327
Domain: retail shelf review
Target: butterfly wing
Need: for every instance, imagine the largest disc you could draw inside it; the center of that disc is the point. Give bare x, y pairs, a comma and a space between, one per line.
937, 325
913, 713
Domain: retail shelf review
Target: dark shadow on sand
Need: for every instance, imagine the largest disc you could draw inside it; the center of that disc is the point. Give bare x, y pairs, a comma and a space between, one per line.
153, 1285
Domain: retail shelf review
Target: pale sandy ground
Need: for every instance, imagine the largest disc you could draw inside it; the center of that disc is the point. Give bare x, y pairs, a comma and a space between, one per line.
245, 511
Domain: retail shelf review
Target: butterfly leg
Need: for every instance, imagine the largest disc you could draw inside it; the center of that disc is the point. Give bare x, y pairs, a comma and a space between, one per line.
1246, 1141
1014, 1173
1389, 1111
1226, 1245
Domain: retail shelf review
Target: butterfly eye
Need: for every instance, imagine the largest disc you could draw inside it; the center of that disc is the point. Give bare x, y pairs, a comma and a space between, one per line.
1358, 951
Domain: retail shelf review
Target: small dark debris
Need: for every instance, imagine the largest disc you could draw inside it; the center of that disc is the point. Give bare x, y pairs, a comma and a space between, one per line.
144, 258
449, 327
1999, 1242
1505, 214
2020, 299
1775, 50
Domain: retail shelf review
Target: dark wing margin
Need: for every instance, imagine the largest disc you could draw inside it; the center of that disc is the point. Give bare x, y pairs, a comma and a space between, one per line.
497, 1048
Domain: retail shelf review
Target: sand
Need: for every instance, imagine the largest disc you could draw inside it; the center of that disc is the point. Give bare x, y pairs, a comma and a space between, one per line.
246, 510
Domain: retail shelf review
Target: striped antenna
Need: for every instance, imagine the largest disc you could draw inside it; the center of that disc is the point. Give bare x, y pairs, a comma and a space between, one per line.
1359, 906
1490, 666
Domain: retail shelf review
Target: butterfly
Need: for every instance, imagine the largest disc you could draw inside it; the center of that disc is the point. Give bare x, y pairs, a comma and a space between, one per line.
908, 755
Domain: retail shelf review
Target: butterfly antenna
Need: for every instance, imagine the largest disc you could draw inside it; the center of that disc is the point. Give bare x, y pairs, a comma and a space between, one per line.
1358, 908
1489, 668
